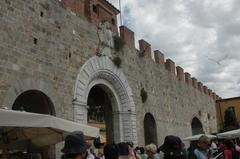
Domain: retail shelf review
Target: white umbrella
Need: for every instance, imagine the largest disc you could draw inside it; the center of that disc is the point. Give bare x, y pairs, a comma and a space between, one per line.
40, 129
229, 134
196, 137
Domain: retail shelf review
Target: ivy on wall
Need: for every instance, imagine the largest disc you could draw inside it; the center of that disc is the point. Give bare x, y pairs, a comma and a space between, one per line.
144, 95
117, 61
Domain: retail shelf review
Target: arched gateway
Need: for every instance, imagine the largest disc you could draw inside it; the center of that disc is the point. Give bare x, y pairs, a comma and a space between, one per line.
102, 73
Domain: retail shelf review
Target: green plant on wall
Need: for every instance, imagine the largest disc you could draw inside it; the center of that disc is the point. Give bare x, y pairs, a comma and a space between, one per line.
117, 61
144, 95
118, 43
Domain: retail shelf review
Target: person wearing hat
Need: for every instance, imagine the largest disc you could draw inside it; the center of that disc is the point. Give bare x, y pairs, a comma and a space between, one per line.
202, 147
173, 148
75, 146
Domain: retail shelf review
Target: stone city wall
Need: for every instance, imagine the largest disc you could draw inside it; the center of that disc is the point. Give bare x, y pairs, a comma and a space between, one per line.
43, 46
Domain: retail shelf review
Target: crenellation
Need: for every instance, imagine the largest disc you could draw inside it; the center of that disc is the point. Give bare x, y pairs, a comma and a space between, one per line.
127, 36
159, 57
188, 79
210, 92
180, 73
194, 82
205, 89
73, 65
214, 96
170, 66
200, 86
145, 49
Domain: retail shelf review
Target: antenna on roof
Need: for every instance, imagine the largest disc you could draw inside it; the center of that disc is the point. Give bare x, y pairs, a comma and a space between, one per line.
120, 8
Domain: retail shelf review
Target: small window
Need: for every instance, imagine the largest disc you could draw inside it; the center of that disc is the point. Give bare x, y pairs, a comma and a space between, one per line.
35, 41
113, 21
209, 116
41, 14
95, 9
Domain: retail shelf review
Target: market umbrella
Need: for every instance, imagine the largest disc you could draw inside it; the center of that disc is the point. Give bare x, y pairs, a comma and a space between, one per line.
229, 134
39, 129
196, 137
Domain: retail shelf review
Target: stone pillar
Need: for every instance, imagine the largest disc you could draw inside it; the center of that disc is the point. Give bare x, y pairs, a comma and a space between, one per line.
80, 112
129, 126
145, 49
117, 127
127, 36
170, 66
180, 73
188, 78
159, 57
194, 82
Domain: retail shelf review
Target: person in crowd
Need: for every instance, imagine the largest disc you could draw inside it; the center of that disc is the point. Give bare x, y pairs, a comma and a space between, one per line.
213, 147
151, 150
132, 153
141, 152
75, 146
90, 154
123, 150
111, 151
201, 151
173, 148
230, 151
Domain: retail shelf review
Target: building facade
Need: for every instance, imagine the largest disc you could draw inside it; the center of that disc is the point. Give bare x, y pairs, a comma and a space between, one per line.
59, 58
223, 108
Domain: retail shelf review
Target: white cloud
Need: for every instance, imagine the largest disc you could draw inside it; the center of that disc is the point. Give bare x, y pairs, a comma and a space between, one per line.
202, 36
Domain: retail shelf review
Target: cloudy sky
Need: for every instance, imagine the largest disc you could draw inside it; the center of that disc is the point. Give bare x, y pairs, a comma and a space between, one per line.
201, 36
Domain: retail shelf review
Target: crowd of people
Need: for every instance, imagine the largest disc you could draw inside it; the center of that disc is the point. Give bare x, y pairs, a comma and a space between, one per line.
76, 147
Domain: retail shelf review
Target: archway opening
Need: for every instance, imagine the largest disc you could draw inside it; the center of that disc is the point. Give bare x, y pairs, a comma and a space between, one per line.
150, 130
100, 111
37, 102
197, 127
34, 101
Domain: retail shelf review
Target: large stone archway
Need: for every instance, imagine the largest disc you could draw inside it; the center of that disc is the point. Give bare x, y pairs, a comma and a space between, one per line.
101, 70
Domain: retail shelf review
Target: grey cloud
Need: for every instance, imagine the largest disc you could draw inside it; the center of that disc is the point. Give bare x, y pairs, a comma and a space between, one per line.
202, 36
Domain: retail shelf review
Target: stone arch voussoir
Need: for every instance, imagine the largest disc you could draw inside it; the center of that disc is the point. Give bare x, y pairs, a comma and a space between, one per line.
102, 69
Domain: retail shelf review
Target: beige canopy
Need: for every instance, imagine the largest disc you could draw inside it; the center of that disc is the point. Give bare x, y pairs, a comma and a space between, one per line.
40, 129
196, 137
229, 134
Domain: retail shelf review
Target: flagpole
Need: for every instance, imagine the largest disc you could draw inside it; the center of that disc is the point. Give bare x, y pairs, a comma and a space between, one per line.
120, 8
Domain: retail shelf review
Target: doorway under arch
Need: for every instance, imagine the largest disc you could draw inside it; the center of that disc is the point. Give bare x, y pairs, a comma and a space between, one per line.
100, 112
35, 101
150, 129
196, 126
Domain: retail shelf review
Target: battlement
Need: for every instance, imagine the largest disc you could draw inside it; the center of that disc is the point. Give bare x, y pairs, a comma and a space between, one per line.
145, 50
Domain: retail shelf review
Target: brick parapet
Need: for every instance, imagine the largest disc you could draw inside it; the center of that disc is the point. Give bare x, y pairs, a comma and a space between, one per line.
200, 86
205, 89
188, 79
145, 49
127, 36
194, 82
159, 57
170, 66
180, 73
